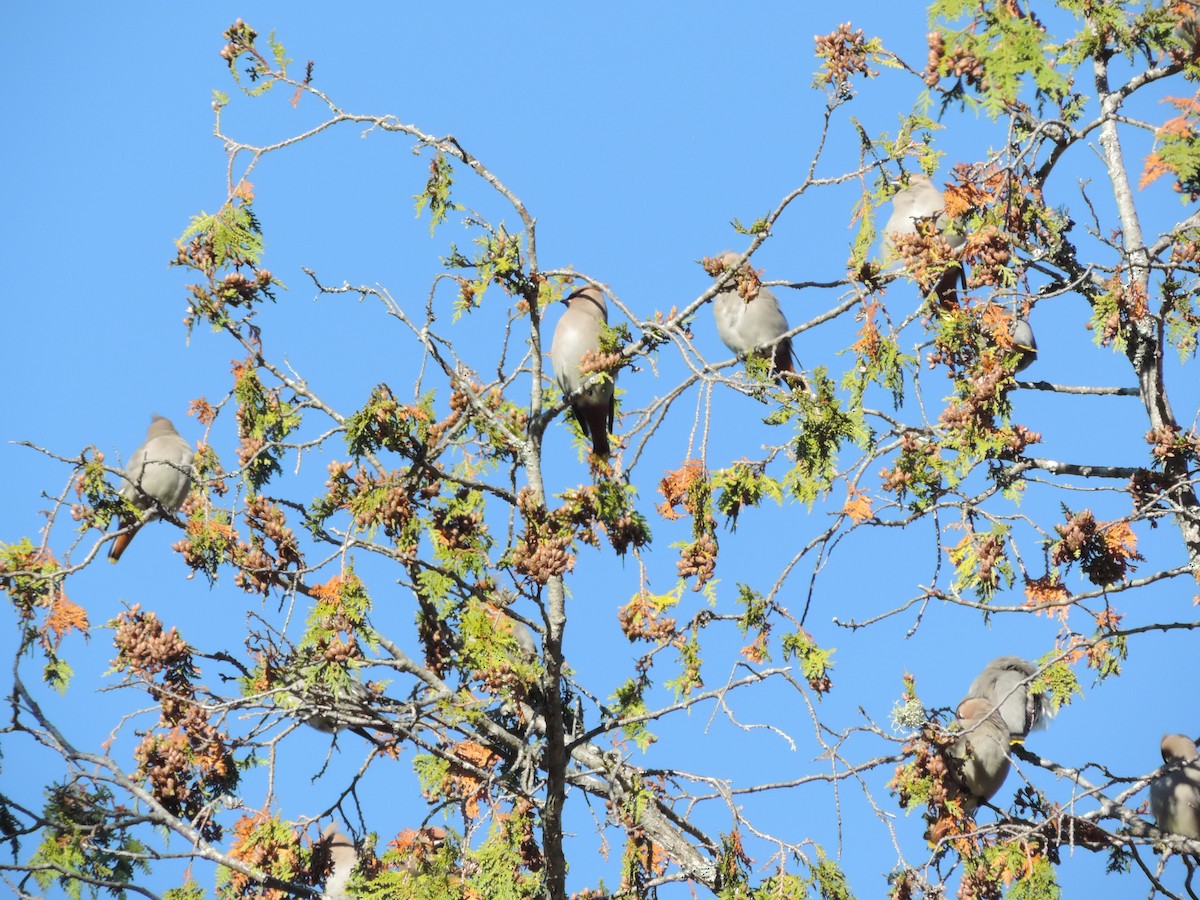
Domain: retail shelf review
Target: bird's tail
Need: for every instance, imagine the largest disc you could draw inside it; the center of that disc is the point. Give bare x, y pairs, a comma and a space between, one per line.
121, 541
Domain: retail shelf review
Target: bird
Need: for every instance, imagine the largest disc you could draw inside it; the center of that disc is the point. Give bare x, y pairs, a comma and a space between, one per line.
982, 750
577, 332
420, 847
327, 708
1186, 30
1004, 684
343, 857
157, 478
523, 636
920, 201
1175, 794
1024, 342
754, 327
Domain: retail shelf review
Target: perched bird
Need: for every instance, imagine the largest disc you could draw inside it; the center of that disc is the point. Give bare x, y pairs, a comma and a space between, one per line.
423, 845
327, 709
343, 858
322, 712
520, 655
1187, 30
754, 327
1175, 795
577, 332
920, 201
1004, 683
157, 478
983, 750
523, 635
1023, 341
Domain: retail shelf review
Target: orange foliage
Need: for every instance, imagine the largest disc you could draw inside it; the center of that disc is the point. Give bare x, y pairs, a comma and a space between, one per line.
330, 590
867, 345
641, 618
1108, 620
65, 617
1008, 876
465, 784
202, 410
674, 487
997, 321
1049, 592
1154, 168
857, 506
756, 651
1121, 541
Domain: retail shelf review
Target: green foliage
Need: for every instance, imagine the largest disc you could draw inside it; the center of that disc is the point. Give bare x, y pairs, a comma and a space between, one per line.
781, 887
761, 369
756, 609
1006, 50
269, 844
982, 563
733, 867
264, 420
630, 703
208, 540
341, 606
758, 226
78, 848
411, 875
461, 541
498, 260
487, 643
92, 487
241, 48
436, 195
1109, 651
34, 582
500, 873
432, 772
879, 361
57, 673
190, 890
914, 137
815, 663
25, 575
1182, 317
625, 526
863, 212
278, 54
918, 472
1035, 876
436, 588
824, 880
614, 338
689, 678
1107, 324
1058, 681
828, 878
231, 237
822, 426
740, 485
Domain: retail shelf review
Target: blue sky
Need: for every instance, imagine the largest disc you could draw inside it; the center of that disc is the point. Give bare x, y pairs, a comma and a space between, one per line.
635, 134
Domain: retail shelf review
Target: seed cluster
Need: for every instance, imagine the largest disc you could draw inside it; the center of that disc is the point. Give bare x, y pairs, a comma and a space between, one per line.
845, 54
